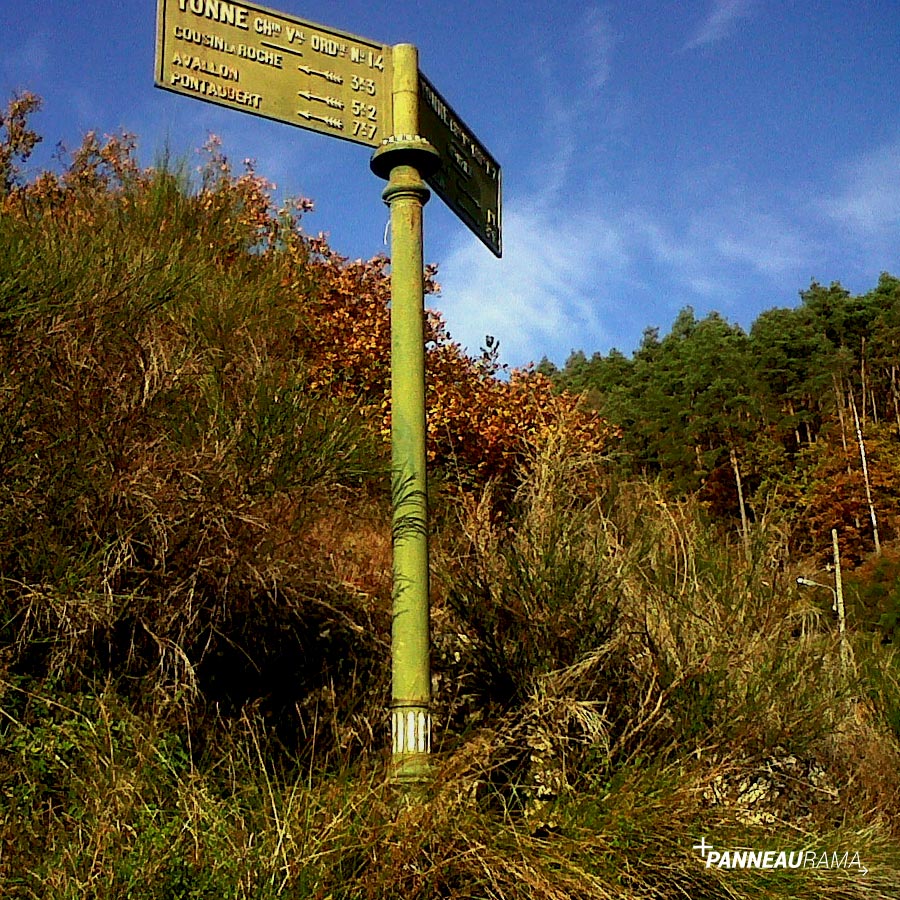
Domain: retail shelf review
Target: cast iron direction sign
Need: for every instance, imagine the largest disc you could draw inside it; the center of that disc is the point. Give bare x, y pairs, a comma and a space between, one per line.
256, 60
468, 180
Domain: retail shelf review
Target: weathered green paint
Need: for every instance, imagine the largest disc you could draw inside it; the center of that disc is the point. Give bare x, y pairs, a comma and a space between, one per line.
404, 158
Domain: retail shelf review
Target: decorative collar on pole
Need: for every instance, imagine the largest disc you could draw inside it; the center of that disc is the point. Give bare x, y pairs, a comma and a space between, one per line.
405, 150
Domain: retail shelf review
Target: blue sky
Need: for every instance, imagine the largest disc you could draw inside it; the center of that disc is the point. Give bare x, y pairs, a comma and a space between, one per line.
712, 153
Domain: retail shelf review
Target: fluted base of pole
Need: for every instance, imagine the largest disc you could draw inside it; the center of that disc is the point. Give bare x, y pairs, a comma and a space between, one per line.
410, 743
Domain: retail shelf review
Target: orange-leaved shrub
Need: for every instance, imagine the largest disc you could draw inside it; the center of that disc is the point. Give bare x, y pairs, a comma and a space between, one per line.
480, 423
163, 456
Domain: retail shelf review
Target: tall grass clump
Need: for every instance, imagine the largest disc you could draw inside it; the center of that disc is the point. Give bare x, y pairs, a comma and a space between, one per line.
162, 453
648, 682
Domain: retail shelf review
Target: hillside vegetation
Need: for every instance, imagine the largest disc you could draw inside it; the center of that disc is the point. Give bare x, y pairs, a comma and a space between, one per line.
802, 413
195, 592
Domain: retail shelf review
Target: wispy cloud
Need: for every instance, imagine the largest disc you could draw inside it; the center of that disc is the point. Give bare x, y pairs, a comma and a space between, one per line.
766, 242
561, 255
600, 42
587, 267
714, 246
720, 22
567, 104
868, 197
578, 276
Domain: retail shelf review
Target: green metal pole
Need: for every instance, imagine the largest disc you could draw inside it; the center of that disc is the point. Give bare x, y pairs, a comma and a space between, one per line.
404, 159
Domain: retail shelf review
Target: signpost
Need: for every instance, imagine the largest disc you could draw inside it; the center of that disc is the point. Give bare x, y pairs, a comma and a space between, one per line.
270, 64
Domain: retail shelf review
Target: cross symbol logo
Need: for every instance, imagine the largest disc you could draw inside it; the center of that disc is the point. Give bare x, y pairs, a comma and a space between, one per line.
702, 847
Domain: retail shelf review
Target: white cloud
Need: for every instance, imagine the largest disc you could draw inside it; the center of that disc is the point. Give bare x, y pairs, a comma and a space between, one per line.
575, 276
543, 296
589, 268
721, 22
561, 256
766, 245
770, 241
687, 257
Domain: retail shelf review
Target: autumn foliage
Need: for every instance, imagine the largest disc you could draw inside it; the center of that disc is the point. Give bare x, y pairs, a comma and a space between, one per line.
184, 374
481, 418
796, 420
196, 585
479, 424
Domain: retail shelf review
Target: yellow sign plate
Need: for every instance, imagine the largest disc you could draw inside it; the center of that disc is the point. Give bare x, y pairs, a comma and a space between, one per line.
255, 60
469, 179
